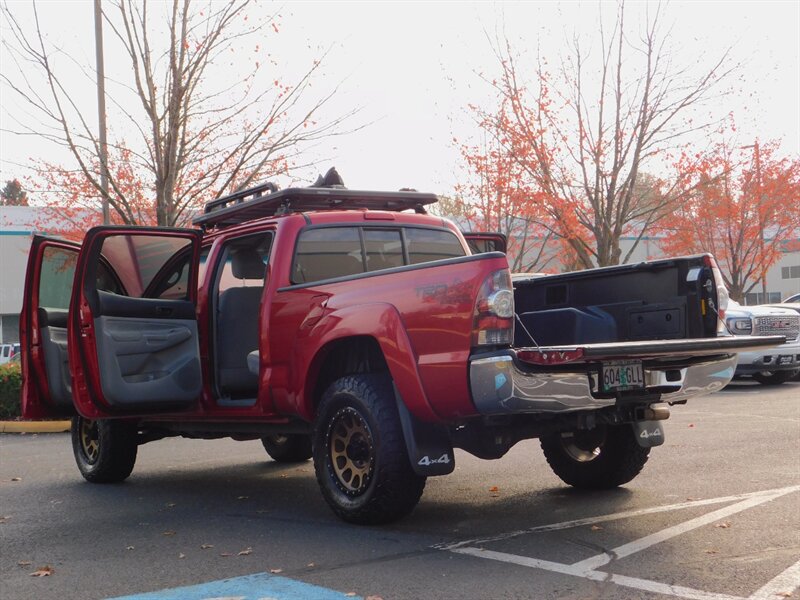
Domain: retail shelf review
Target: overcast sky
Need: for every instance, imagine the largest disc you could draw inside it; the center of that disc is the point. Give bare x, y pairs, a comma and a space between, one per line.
412, 68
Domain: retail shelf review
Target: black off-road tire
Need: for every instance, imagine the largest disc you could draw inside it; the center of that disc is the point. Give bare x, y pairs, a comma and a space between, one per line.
289, 448
360, 455
605, 457
105, 449
775, 377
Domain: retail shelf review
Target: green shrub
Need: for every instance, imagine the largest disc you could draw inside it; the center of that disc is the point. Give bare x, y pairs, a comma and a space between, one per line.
10, 390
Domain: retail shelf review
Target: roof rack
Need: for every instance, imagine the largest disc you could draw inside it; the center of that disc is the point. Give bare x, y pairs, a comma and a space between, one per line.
252, 203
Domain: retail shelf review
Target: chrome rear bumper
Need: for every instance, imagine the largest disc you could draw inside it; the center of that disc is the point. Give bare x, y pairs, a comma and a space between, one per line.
501, 385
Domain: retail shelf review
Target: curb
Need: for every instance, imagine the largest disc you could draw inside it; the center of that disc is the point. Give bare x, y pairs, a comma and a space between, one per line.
34, 426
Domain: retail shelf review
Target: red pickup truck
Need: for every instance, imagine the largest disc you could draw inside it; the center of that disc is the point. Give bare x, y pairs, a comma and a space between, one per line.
353, 327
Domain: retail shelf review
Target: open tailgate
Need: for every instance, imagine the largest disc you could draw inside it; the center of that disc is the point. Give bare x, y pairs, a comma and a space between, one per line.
654, 349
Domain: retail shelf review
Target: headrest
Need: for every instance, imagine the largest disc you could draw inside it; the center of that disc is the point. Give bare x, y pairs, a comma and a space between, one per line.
246, 263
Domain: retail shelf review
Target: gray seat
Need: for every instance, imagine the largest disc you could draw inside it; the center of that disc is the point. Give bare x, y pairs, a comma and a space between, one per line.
237, 326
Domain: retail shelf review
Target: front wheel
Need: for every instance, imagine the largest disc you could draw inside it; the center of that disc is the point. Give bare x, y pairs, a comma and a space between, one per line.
289, 448
104, 449
360, 455
600, 458
775, 377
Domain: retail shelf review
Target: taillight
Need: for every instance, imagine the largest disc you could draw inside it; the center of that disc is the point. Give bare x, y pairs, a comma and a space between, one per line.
722, 292
493, 323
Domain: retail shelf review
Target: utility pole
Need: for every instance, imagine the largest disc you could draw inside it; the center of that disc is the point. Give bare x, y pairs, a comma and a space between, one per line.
760, 205
101, 107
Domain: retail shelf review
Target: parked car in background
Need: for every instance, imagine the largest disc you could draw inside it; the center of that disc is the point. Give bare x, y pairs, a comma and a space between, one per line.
792, 302
795, 299
8, 352
770, 366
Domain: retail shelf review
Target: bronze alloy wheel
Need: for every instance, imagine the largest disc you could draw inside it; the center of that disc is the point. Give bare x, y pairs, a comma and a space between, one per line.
352, 455
90, 440
584, 446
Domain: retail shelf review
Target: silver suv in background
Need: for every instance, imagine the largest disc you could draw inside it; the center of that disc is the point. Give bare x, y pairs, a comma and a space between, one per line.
774, 365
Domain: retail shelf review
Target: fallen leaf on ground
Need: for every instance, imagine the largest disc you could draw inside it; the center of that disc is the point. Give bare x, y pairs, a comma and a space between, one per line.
276, 571
596, 528
4, 519
242, 497
16, 479
244, 552
24, 563
226, 554
712, 551
128, 547
181, 555
170, 532
494, 488
723, 525
691, 424
784, 594
44, 571
284, 475
206, 546
311, 565
690, 499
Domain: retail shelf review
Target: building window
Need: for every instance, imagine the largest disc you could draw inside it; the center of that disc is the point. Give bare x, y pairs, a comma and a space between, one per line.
758, 298
790, 272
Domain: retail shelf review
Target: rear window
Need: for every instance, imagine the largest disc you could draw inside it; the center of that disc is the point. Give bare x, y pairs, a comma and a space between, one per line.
425, 245
330, 252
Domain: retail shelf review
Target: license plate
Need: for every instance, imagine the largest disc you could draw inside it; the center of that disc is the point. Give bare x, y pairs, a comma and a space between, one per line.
622, 375
785, 359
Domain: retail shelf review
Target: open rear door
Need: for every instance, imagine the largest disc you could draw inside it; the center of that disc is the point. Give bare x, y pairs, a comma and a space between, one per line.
133, 343
46, 385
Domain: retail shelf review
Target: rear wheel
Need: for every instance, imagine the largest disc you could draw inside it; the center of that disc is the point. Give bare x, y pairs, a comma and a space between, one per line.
104, 449
289, 448
604, 457
775, 377
360, 455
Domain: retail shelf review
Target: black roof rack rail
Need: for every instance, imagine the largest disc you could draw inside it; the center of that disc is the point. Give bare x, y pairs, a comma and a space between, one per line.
238, 197
251, 204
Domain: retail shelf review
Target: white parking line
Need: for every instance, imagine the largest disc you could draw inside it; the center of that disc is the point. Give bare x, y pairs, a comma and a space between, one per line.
785, 583
617, 516
670, 532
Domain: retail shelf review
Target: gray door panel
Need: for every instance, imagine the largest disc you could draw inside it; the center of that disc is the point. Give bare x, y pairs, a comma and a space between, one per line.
56, 362
148, 362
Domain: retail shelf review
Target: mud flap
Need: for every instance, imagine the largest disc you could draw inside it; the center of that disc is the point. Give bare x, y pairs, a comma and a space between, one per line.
648, 433
428, 444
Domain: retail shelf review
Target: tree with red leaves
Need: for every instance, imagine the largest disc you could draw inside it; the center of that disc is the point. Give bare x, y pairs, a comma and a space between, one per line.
744, 208
582, 139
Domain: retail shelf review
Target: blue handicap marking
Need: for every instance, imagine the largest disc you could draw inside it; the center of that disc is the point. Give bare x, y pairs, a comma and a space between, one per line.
261, 586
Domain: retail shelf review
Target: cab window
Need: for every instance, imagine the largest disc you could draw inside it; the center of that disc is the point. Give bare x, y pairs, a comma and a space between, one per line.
326, 253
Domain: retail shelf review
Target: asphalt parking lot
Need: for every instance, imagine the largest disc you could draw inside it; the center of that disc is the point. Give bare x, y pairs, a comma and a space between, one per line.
715, 515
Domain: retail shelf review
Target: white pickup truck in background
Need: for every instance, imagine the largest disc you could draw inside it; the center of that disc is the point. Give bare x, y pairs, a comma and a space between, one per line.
770, 366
